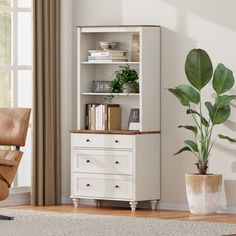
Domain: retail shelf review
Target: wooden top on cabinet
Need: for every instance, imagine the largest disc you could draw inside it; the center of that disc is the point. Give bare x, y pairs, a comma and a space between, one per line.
93, 26
124, 132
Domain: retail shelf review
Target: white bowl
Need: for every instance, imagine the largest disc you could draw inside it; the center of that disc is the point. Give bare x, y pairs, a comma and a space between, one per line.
108, 45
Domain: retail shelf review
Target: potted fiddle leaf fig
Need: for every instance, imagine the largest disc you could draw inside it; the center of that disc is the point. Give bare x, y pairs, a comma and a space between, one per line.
203, 189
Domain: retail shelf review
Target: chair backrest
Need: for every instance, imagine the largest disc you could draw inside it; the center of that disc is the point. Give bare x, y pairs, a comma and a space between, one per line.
13, 126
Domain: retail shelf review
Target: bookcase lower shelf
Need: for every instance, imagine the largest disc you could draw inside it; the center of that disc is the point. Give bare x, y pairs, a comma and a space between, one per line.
122, 166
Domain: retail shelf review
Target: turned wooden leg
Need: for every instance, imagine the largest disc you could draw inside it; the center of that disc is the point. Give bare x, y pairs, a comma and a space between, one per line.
76, 202
153, 204
133, 205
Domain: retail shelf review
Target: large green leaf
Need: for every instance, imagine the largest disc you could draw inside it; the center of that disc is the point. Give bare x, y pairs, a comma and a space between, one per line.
180, 95
192, 145
224, 100
184, 149
198, 68
227, 138
210, 109
220, 115
203, 120
223, 79
191, 93
220, 112
189, 127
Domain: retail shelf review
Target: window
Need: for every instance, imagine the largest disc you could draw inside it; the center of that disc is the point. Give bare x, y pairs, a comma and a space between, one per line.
16, 69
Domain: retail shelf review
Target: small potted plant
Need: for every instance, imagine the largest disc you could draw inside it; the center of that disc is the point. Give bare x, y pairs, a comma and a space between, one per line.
203, 189
125, 81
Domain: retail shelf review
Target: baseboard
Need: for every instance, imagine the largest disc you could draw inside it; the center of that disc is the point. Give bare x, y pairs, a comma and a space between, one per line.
16, 198
68, 201
172, 206
228, 210
145, 205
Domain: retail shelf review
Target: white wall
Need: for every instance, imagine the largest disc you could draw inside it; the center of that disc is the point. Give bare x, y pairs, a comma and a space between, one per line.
67, 91
186, 24
92, 12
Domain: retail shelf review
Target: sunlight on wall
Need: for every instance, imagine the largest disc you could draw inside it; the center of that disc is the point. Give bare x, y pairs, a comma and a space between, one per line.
150, 12
218, 39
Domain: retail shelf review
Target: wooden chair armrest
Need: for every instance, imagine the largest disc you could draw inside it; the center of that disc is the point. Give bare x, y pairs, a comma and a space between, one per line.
9, 163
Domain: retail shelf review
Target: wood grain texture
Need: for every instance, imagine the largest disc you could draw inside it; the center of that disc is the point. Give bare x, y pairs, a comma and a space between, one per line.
107, 26
159, 214
125, 132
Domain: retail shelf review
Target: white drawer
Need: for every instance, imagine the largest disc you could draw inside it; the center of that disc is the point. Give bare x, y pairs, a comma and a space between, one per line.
99, 161
102, 186
102, 140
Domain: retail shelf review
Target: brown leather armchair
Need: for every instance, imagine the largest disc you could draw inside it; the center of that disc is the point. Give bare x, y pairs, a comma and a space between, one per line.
14, 124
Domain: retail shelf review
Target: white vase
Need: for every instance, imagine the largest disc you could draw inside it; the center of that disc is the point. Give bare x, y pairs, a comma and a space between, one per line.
126, 88
203, 193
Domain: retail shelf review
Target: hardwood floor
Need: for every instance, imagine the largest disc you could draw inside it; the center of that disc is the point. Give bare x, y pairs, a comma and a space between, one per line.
159, 214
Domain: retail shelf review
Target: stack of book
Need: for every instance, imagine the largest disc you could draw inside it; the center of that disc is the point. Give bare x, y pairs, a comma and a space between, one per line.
102, 116
107, 56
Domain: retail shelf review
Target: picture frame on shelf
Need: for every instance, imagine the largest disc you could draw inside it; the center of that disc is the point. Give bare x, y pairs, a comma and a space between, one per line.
101, 86
135, 48
134, 119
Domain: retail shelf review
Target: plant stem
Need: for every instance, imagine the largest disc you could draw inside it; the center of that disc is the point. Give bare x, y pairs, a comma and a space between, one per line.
202, 135
209, 140
194, 117
198, 156
211, 146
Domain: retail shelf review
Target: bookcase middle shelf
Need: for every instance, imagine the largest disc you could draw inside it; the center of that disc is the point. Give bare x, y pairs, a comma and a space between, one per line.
109, 94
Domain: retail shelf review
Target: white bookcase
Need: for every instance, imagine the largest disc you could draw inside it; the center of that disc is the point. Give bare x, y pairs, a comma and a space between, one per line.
148, 100
120, 165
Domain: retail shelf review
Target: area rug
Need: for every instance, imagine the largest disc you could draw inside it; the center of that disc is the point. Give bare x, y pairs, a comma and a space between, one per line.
34, 223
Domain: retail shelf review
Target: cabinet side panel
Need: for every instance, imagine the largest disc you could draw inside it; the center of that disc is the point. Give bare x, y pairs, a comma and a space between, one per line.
85, 74
147, 167
72, 163
150, 78
78, 78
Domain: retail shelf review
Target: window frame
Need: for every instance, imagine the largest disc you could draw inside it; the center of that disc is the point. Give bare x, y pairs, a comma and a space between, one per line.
14, 68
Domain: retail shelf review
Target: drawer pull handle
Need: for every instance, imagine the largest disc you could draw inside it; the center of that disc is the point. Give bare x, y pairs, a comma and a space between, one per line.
116, 141
117, 186
88, 185
117, 162
88, 161
87, 140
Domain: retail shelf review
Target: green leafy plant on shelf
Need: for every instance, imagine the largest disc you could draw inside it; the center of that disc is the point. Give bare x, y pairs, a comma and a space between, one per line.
125, 77
199, 72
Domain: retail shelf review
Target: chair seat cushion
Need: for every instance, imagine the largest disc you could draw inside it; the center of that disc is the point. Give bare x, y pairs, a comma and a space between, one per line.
10, 158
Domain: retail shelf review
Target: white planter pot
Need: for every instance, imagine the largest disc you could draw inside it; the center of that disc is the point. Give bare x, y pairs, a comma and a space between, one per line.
203, 193
127, 88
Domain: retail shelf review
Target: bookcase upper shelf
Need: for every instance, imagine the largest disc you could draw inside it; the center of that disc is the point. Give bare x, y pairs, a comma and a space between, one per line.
114, 28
